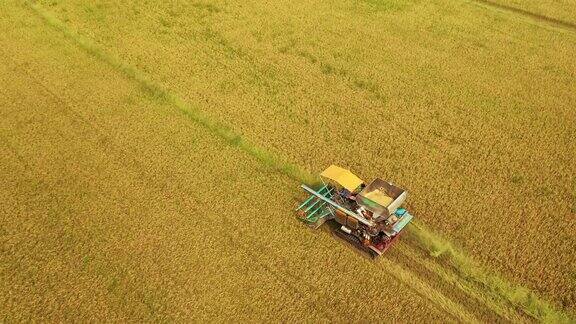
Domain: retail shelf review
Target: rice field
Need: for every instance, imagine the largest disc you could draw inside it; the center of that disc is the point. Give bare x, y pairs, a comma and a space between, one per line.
152, 153
556, 12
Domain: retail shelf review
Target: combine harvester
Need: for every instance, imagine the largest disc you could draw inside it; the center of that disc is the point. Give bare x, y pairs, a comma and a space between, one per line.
368, 216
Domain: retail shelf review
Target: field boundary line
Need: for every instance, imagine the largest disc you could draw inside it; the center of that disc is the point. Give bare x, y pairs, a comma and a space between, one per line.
528, 14
437, 245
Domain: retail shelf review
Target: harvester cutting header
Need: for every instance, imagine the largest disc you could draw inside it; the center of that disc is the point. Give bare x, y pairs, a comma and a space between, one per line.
368, 216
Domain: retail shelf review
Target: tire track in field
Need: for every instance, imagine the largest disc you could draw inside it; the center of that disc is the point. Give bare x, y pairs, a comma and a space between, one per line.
527, 14
467, 268
491, 301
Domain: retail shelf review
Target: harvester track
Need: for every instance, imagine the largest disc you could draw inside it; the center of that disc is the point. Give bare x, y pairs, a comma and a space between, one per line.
528, 14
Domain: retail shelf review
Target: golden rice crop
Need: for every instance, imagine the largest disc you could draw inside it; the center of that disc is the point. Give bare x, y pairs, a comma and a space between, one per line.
319, 100
118, 208
560, 13
466, 107
472, 294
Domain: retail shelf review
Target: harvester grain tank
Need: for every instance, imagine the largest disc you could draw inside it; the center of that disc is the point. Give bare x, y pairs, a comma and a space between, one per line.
370, 216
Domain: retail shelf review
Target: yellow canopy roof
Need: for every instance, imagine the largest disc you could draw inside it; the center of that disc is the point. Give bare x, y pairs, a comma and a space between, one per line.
343, 177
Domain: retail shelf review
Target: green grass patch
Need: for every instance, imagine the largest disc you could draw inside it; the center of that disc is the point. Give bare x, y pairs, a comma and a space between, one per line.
470, 270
